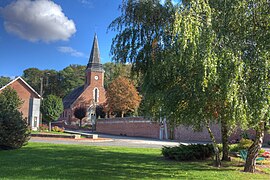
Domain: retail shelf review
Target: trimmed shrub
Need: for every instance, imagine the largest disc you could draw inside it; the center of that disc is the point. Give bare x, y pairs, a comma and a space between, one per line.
188, 152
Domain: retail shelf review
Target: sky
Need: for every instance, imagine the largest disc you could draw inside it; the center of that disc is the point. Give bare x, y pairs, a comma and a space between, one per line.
52, 34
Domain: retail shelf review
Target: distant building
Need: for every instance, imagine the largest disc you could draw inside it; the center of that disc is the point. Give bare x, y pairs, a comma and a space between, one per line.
92, 93
31, 101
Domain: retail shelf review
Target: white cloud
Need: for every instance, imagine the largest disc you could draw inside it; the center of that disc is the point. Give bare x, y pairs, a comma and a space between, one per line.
40, 20
71, 51
88, 3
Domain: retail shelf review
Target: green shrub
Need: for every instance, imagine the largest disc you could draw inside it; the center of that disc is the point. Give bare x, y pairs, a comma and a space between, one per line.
188, 152
261, 151
234, 148
14, 132
245, 143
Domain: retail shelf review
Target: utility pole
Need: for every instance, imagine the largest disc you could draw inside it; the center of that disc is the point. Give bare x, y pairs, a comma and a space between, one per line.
41, 94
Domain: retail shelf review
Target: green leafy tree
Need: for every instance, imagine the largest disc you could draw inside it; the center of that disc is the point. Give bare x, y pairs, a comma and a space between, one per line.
80, 113
14, 132
252, 34
218, 51
51, 108
4, 80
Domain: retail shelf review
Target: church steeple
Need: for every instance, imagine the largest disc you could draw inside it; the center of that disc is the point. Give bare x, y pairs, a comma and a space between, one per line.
94, 62
94, 73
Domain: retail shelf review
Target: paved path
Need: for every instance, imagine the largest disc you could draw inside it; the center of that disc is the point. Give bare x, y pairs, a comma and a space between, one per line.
108, 140
111, 140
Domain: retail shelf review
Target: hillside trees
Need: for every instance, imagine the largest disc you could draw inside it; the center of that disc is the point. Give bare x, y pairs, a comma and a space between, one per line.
122, 96
114, 70
4, 81
61, 83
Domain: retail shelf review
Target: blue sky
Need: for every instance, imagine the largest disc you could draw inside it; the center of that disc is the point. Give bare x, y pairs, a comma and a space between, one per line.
52, 34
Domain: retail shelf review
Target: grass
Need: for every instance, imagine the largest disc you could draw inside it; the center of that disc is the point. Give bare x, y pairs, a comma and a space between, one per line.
51, 161
47, 132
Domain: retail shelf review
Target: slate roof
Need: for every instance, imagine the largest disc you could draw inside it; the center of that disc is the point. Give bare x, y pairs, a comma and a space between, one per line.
72, 97
94, 62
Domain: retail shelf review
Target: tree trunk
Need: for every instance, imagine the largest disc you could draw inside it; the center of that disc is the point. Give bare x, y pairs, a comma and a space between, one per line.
122, 114
217, 161
80, 123
225, 141
50, 126
254, 149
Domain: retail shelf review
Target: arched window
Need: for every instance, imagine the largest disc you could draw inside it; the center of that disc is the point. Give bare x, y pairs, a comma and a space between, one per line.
96, 95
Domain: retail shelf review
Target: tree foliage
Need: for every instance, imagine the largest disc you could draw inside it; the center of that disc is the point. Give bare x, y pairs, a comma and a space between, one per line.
200, 64
61, 83
114, 70
80, 113
4, 81
14, 132
122, 96
51, 108
58, 83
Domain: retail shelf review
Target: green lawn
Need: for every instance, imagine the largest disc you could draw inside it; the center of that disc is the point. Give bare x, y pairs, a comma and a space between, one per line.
50, 161
52, 132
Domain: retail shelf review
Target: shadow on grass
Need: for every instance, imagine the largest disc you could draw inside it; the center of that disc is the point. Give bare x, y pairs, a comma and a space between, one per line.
50, 161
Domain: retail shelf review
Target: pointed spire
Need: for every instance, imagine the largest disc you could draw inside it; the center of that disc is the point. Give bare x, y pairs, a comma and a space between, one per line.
94, 59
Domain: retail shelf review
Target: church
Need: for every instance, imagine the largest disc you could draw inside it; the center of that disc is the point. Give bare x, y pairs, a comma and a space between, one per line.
89, 95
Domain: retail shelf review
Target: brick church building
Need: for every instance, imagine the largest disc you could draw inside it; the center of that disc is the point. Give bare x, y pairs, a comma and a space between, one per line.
89, 95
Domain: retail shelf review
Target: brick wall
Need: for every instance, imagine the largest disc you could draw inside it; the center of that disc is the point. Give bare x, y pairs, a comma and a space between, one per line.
183, 133
131, 126
138, 126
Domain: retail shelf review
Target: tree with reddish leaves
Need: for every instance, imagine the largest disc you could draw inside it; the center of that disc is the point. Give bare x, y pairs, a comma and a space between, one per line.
122, 96
80, 113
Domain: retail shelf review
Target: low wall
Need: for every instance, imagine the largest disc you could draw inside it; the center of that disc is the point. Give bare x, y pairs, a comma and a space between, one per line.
183, 133
130, 126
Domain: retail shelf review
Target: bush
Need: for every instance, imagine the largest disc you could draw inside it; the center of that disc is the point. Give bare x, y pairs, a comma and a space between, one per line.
243, 144
14, 132
57, 129
43, 127
188, 152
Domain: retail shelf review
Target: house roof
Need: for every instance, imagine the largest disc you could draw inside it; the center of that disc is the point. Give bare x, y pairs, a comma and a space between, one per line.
72, 97
94, 62
19, 78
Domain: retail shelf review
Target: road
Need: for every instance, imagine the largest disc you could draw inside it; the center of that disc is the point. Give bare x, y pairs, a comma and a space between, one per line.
122, 141
109, 140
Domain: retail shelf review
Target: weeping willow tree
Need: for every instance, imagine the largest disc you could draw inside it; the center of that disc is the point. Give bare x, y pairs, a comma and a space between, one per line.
252, 31
197, 61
